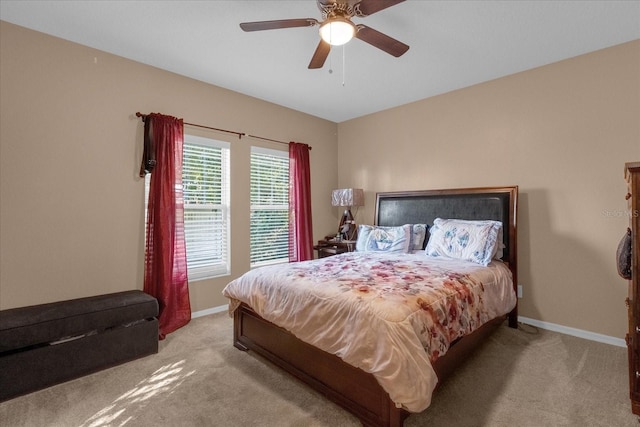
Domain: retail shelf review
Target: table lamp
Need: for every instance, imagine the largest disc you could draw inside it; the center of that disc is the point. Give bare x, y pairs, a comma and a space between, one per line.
347, 198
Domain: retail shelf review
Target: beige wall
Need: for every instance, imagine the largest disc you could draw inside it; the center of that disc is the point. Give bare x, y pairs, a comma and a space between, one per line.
71, 203
562, 133
71, 218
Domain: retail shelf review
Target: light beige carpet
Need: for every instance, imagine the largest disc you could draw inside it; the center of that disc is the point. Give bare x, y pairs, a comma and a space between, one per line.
520, 377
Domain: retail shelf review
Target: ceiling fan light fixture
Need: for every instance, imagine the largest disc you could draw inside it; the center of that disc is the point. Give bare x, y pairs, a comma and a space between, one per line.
337, 31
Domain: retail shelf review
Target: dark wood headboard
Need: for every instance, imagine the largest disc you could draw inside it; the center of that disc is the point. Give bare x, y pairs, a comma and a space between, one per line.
422, 207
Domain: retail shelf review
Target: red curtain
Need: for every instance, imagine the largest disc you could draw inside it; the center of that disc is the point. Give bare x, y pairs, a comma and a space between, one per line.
165, 274
300, 227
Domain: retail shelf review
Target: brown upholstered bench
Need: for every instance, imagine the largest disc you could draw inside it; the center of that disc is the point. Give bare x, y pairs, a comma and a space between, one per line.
47, 344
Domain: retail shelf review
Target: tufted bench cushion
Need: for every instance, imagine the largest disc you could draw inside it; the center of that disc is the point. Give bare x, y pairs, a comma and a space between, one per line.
46, 344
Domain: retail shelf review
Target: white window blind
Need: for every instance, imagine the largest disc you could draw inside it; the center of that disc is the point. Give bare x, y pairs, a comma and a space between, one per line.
269, 206
205, 182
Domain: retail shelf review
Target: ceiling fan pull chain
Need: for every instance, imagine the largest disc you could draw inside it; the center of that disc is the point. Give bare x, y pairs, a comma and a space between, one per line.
343, 64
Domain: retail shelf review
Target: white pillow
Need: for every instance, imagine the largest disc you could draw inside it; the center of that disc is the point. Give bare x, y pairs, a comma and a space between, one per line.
383, 239
475, 241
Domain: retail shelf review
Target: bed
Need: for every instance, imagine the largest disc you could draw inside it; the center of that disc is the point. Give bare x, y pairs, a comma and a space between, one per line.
366, 390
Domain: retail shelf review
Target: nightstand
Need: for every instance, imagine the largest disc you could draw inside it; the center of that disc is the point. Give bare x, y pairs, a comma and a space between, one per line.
330, 246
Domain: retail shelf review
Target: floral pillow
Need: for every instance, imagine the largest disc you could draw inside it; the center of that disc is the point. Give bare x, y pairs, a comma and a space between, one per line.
475, 241
383, 239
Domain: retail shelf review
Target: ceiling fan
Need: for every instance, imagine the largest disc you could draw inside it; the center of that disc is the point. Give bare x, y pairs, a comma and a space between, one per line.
337, 28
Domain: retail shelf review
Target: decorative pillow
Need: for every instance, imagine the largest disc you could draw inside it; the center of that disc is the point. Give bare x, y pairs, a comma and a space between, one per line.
474, 241
383, 239
498, 251
418, 234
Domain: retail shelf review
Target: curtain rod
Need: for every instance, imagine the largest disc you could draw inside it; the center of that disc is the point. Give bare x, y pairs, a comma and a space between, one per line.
274, 140
240, 134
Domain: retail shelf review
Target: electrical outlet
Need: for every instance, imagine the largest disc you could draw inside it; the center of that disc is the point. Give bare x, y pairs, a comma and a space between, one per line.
519, 291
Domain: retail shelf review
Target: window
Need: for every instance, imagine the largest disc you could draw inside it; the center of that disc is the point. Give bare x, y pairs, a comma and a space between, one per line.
269, 206
205, 182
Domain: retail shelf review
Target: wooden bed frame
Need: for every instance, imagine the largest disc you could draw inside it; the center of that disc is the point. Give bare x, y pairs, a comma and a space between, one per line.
352, 388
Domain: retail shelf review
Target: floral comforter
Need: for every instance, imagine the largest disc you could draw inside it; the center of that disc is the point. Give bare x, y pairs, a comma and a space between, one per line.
388, 314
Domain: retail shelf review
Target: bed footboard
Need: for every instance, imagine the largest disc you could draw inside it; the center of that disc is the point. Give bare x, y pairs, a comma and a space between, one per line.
355, 390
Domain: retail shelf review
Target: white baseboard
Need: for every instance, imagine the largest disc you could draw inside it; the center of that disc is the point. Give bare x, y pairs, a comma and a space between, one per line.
208, 311
606, 339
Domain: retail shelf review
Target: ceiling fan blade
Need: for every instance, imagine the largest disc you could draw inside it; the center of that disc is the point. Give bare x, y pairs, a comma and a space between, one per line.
369, 7
381, 41
320, 55
281, 23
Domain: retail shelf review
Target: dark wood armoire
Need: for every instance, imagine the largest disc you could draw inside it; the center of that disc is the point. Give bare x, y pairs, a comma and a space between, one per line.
632, 176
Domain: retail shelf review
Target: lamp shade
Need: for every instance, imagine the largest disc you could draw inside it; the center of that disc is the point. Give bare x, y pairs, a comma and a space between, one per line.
347, 197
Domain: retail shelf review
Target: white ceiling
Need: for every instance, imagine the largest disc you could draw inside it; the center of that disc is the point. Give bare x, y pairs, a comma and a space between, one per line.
453, 44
